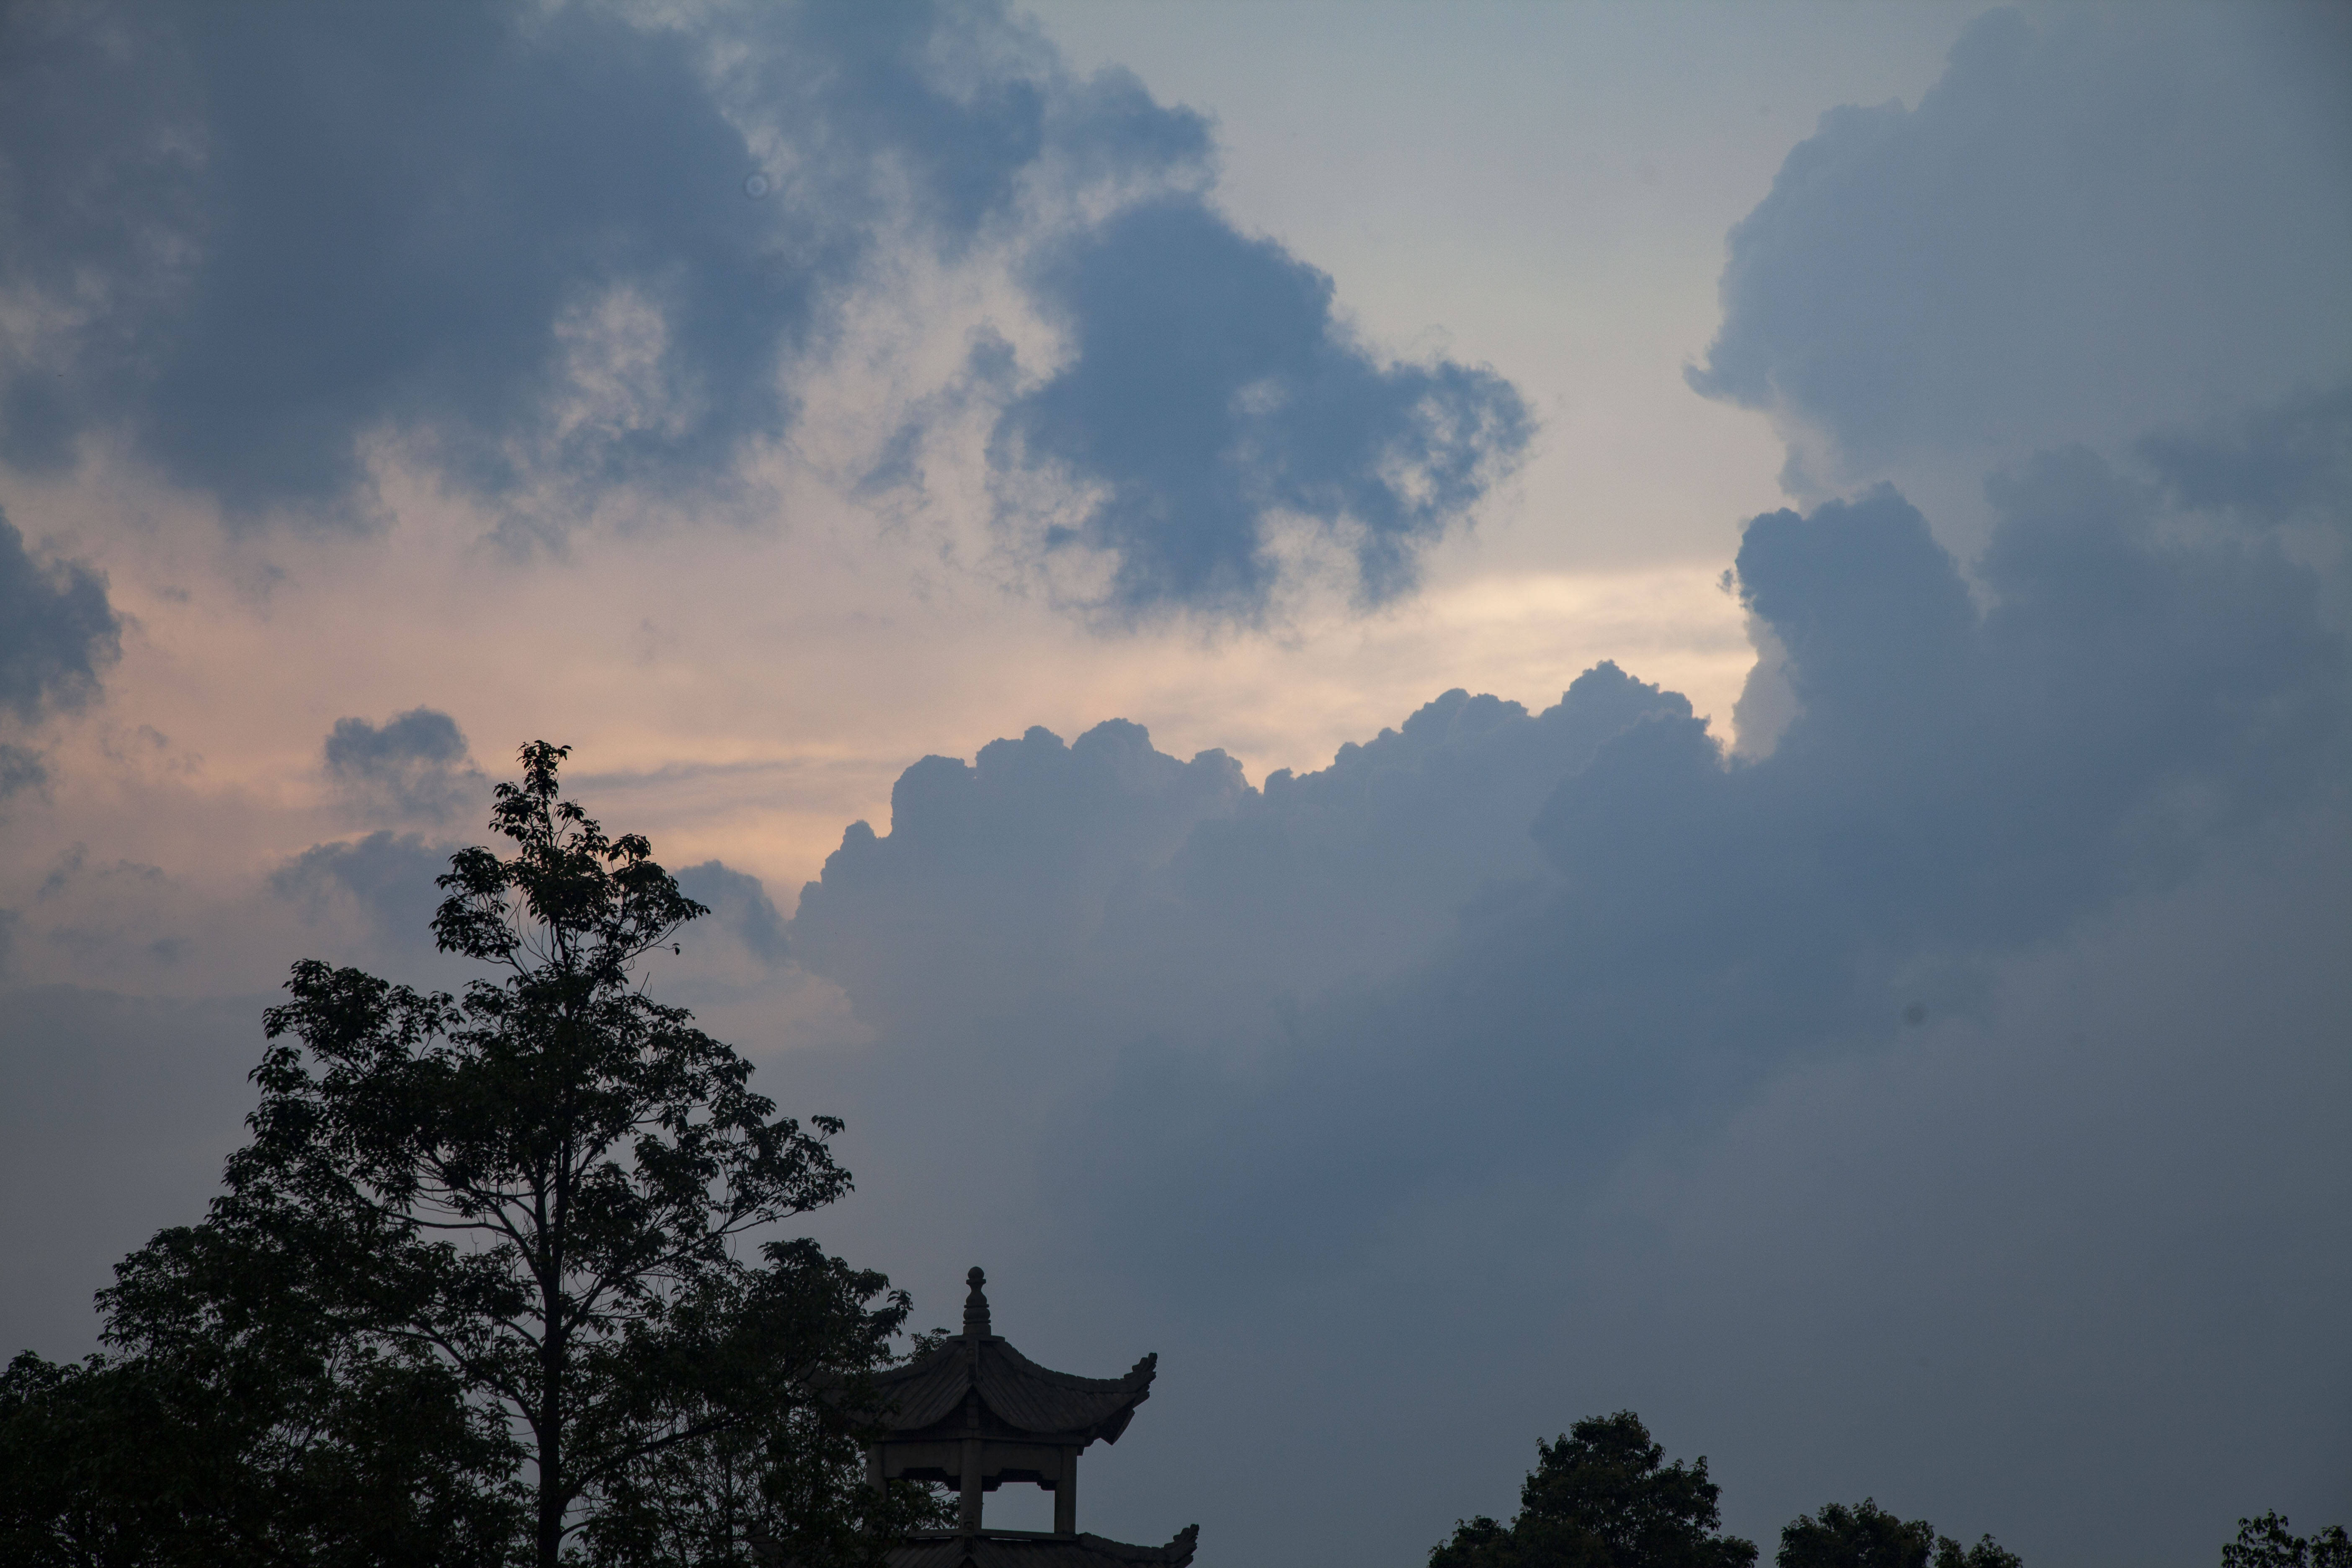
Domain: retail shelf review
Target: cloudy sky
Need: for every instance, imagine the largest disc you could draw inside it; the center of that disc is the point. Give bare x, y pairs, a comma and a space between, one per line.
1467, 713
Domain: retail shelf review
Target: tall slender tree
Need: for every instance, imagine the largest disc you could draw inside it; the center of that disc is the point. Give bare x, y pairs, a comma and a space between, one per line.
489, 1283
545, 1185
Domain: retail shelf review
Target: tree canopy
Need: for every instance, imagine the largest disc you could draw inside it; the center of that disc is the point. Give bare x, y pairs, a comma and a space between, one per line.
1867, 1536
1601, 1495
2270, 1541
487, 1285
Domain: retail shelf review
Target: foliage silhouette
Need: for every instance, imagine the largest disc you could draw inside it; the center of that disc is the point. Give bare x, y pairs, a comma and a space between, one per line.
1867, 1536
474, 1292
1601, 1495
2270, 1541
249, 1448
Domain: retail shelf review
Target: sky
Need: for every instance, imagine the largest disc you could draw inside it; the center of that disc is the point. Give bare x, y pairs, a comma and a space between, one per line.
1469, 714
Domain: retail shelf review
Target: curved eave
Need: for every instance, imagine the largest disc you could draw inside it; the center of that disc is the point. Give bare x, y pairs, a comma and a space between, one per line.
1034, 1401
1015, 1549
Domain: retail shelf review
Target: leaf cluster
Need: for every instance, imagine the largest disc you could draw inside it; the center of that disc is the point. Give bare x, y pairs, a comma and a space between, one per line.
2270, 1541
1867, 1536
1601, 1495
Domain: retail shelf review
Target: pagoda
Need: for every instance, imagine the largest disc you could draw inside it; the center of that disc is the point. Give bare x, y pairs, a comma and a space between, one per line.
975, 1414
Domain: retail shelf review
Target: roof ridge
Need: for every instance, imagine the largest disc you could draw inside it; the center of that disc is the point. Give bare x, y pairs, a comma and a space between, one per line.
1143, 1371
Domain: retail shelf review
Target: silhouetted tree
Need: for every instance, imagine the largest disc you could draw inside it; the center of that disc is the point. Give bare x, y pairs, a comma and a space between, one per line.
1867, 1536
236, 1418
1601, 1495
475, 1292
2270, 1542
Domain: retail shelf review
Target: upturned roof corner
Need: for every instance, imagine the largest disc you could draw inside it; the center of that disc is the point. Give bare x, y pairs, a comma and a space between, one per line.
973, 1413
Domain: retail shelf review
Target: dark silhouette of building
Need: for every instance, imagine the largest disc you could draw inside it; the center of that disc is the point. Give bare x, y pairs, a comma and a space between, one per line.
975, 1414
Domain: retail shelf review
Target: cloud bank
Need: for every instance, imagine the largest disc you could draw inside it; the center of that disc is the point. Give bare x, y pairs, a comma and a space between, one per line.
1468, 1014
2085, 229
1593, 890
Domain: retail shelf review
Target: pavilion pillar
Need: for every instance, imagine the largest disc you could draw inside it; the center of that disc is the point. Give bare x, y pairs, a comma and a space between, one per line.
1065, 1495
968, 1513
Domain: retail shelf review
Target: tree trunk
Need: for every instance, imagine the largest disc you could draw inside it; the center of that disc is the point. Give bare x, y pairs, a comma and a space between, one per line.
550, 1480
551, 1494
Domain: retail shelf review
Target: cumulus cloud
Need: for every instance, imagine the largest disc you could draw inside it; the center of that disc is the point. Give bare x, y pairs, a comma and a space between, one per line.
57, 632
2096, 222
1955, 787
2286, 462
1389, 1021
388, 877
740, 906
561, 255
1210, 395
1041, 862
1000, 865
1952, 777
413, 767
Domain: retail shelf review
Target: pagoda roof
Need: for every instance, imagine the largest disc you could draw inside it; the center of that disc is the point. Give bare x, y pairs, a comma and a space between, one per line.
1023, 1549
1034, 1402
1017, 1391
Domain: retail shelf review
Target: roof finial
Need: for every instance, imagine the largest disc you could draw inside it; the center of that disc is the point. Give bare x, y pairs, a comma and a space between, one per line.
975, 1307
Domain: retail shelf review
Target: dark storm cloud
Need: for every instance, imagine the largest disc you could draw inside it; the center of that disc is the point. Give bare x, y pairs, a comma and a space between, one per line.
413, 767
739, 906
57, 632
303, 226
2093, 223
1211, 394
567, 254
267, 234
